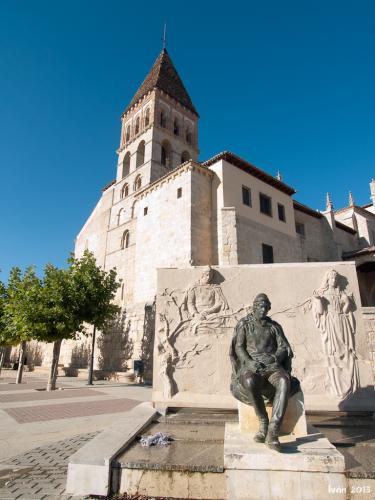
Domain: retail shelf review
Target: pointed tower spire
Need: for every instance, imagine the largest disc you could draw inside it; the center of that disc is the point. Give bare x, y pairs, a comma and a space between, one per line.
279, 177
329, 204
163, 76
165, 36
351, 199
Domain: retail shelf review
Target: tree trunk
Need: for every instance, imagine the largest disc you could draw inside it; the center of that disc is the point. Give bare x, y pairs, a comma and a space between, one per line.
2, 357
21, 360
51, 384
91, 366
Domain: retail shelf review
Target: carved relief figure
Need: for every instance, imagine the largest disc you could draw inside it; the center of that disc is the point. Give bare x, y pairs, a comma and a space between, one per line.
205, 302
261, 362
333, 315
201, 310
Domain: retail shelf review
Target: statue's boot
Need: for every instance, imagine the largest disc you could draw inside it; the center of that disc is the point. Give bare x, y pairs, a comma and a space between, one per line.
260, 436
272, 438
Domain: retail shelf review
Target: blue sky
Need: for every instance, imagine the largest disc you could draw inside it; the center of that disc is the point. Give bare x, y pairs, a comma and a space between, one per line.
286, 85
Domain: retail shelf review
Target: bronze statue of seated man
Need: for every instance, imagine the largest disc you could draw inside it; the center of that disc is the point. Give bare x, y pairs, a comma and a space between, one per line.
261, 361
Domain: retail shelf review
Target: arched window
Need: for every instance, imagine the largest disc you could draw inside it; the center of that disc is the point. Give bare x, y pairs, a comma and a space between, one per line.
140, 154
127, 138
147, 117
125, 239
125, 191
163, 119
137, 122
126, 165
185, 156
176, 127
188, 135
120, 216
165, 156
137, 183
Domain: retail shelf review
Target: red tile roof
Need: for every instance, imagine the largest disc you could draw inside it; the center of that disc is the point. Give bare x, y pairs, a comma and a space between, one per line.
250, 169
163, 76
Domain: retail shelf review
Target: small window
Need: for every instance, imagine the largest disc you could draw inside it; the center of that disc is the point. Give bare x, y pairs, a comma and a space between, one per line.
137, 126
188, 136
145, 211
246, 196
176, 127
125, 240
126, 165
125, 191
147, 117
267, 251
128, 133
265, 204
185, 156
137, 183
281, 211
163, 119
179, 192
300, 228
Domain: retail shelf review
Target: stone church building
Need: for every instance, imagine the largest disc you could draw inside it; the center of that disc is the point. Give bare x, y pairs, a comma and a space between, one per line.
166, 208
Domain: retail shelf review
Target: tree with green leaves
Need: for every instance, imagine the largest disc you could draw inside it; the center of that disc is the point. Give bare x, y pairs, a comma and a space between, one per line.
95, 290
21, 311
58, 317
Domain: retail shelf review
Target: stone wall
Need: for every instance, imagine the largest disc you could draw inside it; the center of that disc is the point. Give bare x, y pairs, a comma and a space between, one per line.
323, 325
369, 324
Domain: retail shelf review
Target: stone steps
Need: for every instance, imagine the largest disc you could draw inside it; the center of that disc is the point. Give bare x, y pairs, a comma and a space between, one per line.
192, 464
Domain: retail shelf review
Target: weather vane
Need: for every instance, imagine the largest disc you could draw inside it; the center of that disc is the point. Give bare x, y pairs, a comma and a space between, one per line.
165, 36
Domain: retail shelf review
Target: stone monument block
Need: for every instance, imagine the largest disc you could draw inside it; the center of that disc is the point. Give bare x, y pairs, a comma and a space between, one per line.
294, 420
317, 304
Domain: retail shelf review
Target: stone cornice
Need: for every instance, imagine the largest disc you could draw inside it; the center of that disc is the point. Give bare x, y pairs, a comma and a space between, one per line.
188, 166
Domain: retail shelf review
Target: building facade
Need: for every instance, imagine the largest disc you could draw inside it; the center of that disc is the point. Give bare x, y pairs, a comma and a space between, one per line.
167, 209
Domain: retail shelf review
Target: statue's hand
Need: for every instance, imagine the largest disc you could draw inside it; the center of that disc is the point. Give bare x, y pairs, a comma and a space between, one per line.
266, 359
254, 366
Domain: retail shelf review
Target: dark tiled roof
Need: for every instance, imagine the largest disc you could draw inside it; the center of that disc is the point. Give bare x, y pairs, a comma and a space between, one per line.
107, 186
357, 253
342, 226
251, 169
307, 210
163, 76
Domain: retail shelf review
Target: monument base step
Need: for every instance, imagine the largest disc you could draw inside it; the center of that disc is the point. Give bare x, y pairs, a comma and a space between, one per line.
309, 467
191, 466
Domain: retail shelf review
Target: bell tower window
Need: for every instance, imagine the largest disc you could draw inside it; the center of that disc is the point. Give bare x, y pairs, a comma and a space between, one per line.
127, 137
126, 165
165, 157
137, 125
185, 156
125, 191
137, 183
140, 154
176, 127
147, 117
163, 119
188, 135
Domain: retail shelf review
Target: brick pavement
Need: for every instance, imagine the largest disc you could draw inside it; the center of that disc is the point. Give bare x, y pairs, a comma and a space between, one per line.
39, 396
40, 474
28, 414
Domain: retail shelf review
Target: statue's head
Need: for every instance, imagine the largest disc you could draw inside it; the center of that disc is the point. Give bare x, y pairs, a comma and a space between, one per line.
206, 276
261, 305
331, 278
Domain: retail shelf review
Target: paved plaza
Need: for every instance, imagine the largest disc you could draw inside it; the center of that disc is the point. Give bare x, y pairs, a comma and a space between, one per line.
40, 430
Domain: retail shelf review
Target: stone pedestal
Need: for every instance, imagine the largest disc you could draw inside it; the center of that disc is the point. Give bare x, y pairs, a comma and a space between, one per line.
309, 468
294, 421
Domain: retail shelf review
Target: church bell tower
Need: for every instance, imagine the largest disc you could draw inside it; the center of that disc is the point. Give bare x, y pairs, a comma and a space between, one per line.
159, 128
